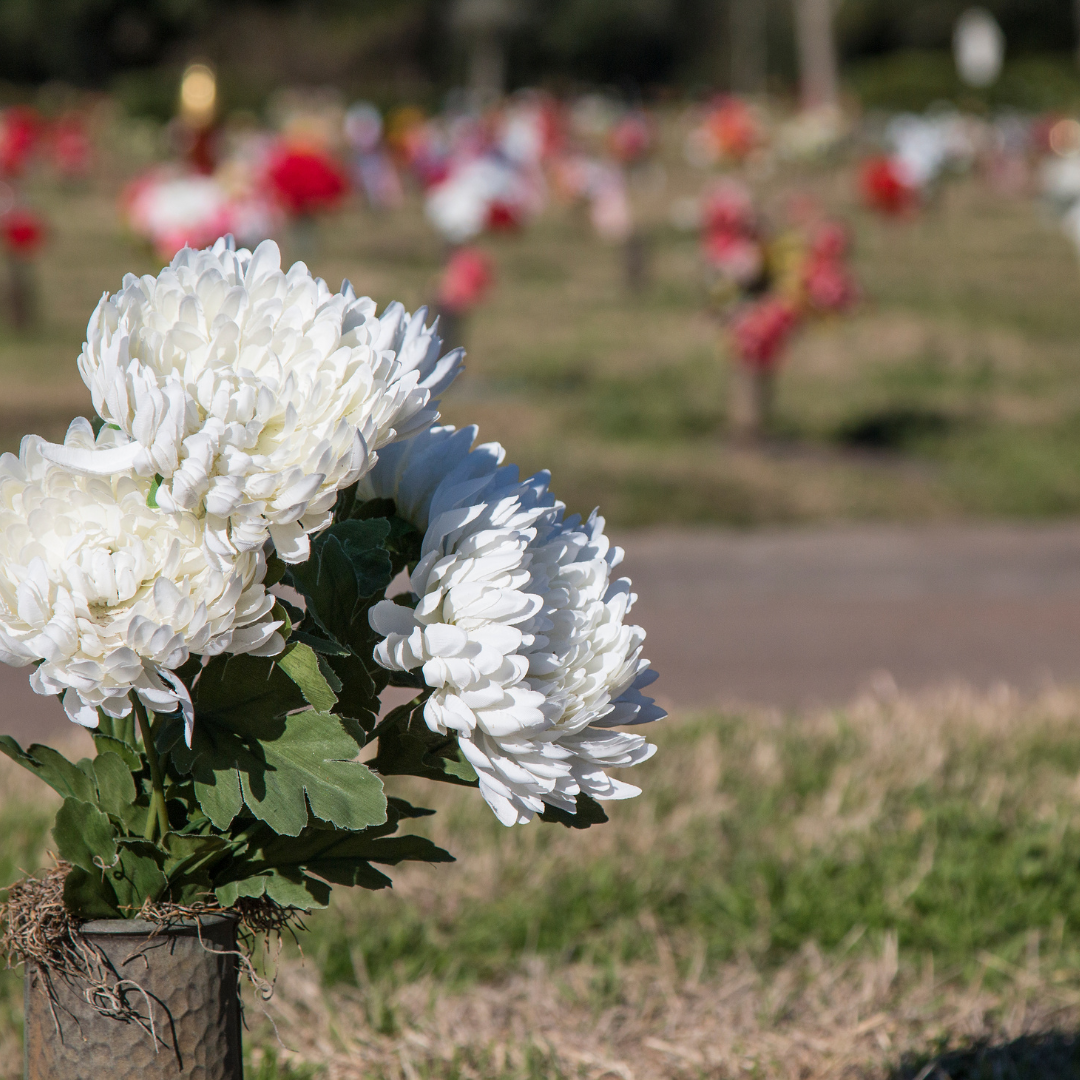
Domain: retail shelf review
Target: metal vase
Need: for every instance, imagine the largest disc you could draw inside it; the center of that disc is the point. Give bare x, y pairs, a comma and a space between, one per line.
182, 983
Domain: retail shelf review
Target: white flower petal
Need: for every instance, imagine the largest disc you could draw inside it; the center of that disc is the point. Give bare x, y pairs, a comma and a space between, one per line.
523, 636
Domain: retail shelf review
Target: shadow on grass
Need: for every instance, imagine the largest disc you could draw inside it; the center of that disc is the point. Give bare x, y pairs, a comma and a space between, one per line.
1052, 1055
894, 428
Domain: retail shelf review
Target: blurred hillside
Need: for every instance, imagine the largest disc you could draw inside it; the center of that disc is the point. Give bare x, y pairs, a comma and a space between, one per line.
894, 51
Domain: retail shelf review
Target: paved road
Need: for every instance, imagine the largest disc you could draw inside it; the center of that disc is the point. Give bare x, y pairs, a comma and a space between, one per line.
800, 617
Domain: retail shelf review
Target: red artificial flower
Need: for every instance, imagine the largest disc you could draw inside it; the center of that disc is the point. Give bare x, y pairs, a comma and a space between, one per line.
465, 281
503, 216
23, 232
19, 130
306, 181
761, 330
884, 188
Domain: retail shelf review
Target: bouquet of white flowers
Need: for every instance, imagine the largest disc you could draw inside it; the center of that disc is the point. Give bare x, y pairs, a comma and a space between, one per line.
256, 428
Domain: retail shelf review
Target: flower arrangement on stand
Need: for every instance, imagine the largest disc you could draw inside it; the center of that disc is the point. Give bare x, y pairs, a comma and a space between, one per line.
465, 282
763, 286
258, 428
307, 182
23, 233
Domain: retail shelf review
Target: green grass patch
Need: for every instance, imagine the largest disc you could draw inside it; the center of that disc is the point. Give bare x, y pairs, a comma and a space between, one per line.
803, 833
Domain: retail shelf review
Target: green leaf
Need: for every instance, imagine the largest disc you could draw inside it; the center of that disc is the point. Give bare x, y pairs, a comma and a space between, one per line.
189, 854
138, 876
312, 762
589, 812
301, 664
84, 836
107, 744
408, 747
289, 889
243, 693
216, 754
359, 693
89, 896
115, 787
59, 773
297, 890
348, 565
324, 646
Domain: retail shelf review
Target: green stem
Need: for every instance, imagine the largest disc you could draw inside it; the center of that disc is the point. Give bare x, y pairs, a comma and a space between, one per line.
158, 817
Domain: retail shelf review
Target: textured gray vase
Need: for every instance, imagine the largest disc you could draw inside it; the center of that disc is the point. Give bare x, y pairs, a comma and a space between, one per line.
191, 986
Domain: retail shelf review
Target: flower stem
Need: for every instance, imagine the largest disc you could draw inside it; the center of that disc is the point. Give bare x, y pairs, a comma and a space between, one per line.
157, 817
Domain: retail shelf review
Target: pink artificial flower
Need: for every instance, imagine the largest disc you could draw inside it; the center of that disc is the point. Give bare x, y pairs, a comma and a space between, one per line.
728, 207
465, 281
72, 150
760, 331
829, 286
630, 138
737, 257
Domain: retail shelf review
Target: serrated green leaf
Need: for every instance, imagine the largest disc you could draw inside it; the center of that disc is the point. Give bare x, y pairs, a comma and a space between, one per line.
229, 893
408, 747
88, 896
291, 890
312, 762
301, 664
107, 744
137, 876
316, 640
115, 787
348, 565
245, 694
359, 693
297, 890
51, 767
351, 873
84, 836
217, 754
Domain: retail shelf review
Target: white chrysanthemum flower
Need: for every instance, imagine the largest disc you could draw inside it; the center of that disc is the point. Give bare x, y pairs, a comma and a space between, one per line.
111, 594
255, 394
519, 626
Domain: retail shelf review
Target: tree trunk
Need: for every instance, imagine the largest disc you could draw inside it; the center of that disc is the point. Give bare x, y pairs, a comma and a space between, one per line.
747, 27
1076, 13
819, 81
487, 69
752, 390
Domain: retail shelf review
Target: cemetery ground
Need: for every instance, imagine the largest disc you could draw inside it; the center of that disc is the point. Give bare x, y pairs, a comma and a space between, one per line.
876, 891
884, 890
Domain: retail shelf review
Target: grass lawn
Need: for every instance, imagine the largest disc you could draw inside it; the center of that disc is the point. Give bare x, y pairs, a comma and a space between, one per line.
859, 892
954, 390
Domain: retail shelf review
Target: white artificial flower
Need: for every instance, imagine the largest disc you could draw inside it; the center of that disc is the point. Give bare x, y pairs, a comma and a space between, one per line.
518, 627
254, 394
110, 594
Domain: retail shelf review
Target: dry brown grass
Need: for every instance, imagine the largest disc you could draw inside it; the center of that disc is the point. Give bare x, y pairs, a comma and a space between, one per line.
816, 1017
